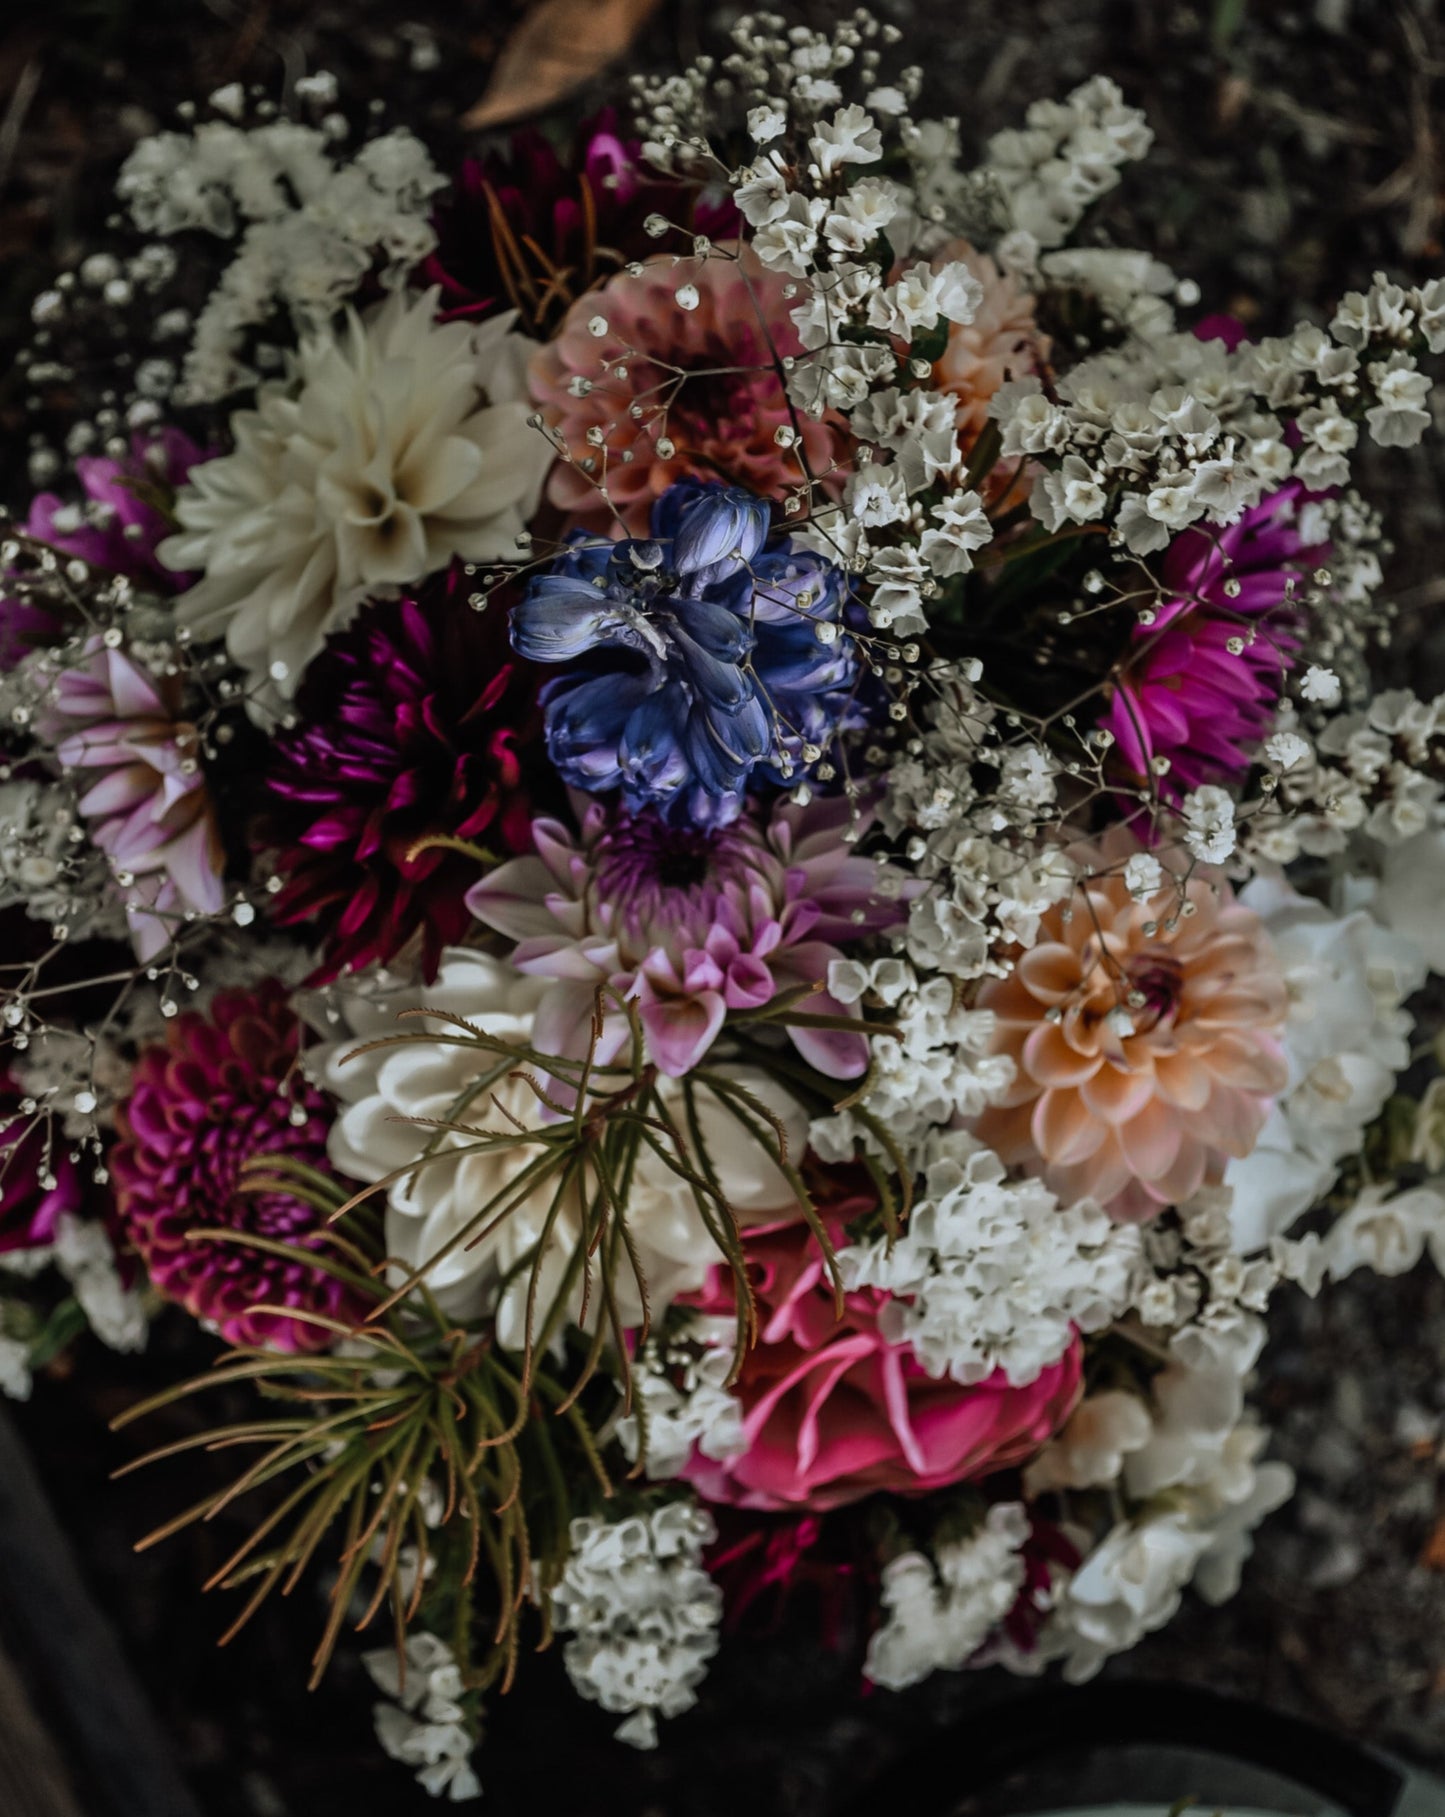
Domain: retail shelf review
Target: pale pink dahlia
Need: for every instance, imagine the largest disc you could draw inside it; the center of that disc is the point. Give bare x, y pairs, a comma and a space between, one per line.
1002, 342
149, 806
674, 391
689, 924
224, 1091
1147, 1044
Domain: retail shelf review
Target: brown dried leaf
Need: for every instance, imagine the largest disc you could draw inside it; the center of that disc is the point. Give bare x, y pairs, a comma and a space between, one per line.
559, 46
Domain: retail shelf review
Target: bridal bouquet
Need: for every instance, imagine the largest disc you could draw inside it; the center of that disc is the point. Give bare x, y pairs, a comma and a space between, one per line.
694, 832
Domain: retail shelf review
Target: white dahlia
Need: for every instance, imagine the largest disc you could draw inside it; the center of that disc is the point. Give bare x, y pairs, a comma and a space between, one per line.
393, 1097
393, 444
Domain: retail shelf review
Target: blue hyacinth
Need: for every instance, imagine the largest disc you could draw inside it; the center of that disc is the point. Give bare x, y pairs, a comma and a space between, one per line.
699, 667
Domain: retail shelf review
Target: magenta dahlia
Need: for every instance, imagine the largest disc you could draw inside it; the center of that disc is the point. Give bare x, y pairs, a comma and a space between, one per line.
39, 1182
413, 723
219, 1093
1182, 692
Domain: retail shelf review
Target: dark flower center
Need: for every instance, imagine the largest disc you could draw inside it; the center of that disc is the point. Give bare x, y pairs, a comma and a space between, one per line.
1158, 979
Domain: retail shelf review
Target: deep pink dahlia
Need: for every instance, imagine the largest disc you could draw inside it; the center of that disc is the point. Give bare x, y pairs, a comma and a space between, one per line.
39, 1183
530, 230
414, 722
689, 923
1181, 692
219, 1093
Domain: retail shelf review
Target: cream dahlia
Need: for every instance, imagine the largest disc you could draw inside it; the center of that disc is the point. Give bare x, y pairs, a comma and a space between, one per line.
392, 446
393, 1096
1147, 1041
661, 390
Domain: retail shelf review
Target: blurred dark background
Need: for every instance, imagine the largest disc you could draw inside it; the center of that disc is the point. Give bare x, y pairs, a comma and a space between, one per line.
1297, 151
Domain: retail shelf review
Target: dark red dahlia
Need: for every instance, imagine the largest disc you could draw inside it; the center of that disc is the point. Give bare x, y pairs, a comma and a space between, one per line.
413, 723
221, 1091
529, 230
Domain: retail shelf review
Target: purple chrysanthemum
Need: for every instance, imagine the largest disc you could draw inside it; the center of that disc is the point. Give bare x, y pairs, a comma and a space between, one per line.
1185, 693
413, 724
39, 1183
220, 1093
117, 528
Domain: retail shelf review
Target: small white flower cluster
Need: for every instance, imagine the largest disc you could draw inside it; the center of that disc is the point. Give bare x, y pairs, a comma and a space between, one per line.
642, 1612
992, 1273
1388, 1231
424, 1724
1346, 1038
984, 852
1167, 430
310, 227
1193, 1284
941, 1609
1187, 1464
936, 1068
47, 867
86, 1257
779, 76
1375, 771
1064, 158
679, 1386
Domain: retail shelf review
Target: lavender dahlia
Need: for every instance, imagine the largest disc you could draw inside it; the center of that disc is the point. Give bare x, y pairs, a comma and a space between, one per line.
701, 661
690, 923
413, 723
222, 1092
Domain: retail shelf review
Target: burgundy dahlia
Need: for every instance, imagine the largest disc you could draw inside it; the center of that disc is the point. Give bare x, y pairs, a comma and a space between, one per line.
412, 723
529, 230
220, 1092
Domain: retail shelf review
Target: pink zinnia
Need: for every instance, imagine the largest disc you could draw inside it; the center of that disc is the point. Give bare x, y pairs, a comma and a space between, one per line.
1145, 1041
689, 924
705, 383
220, 1093
832, 1411
1181, 693
150, 809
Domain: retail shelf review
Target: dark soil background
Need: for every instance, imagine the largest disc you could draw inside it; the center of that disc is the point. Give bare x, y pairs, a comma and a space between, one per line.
1297, 151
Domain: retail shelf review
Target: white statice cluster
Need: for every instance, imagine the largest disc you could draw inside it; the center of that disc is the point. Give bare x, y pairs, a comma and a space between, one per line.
681, 1399
423, 1722
994, 1274
941, 1609
309, 226
1065, 156
392, 444
1167, 430
1346, 1038
641, 1612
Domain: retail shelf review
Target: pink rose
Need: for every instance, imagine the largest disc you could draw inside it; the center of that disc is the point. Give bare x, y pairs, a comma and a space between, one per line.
832, 1411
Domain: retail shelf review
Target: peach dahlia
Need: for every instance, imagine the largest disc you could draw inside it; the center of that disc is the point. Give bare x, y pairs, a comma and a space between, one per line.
1146, 1037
